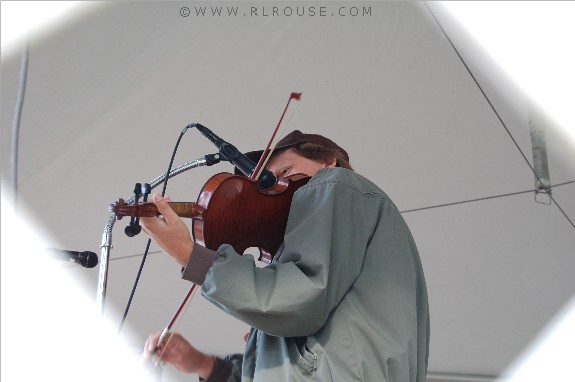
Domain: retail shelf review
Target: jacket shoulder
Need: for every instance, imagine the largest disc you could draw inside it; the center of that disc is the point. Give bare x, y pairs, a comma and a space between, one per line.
344, 178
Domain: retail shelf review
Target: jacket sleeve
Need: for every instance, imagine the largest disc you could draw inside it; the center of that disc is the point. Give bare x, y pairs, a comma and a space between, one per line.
228, 369
328, 230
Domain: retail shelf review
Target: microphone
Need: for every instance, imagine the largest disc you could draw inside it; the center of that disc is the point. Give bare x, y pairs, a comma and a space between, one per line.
86, 259
230, 153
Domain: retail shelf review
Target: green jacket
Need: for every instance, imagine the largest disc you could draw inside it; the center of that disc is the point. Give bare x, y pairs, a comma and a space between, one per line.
343, 300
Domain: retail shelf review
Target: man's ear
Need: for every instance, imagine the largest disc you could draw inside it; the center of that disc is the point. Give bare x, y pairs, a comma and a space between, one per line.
331, 163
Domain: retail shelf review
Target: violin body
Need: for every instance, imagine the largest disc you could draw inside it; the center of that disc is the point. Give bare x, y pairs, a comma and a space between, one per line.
238, 213
232, 209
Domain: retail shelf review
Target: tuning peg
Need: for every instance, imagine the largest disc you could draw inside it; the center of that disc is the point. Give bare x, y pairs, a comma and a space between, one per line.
132, 230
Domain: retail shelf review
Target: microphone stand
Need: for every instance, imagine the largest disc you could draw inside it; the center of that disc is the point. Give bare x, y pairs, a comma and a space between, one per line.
106, 244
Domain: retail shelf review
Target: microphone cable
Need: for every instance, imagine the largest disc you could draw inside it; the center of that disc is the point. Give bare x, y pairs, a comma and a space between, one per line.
165, 185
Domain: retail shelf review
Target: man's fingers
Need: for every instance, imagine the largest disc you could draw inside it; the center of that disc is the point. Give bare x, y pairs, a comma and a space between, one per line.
164, 208
152, 341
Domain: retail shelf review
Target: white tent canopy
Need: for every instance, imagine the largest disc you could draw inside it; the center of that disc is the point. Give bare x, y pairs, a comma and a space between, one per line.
109, 91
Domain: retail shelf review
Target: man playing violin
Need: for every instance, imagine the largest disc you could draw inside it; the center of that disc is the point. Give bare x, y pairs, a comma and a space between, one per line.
344, 298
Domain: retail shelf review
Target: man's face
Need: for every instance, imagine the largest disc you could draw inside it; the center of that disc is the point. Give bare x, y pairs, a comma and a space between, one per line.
288, 162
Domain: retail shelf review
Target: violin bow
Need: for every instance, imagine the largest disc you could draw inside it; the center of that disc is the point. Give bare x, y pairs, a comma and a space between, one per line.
266, 154
179, 313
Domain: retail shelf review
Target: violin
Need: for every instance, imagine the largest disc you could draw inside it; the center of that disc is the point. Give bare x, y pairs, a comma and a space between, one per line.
232, 209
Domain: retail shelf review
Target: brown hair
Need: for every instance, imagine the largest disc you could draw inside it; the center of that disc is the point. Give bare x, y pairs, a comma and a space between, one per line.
324, 154
310, 146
